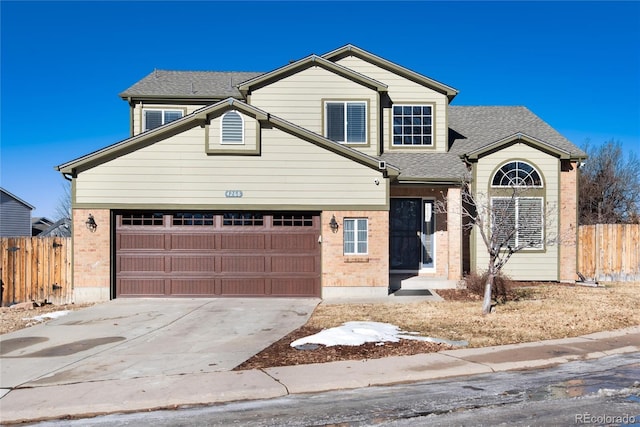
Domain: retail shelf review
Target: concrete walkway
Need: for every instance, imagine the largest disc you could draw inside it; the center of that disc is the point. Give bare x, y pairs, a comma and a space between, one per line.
138, 388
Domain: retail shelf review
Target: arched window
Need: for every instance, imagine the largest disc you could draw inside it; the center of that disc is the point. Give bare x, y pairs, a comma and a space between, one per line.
516, 174
232, 128
517, 214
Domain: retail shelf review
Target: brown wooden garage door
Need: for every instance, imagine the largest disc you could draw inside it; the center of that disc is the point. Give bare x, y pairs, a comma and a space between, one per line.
217, 254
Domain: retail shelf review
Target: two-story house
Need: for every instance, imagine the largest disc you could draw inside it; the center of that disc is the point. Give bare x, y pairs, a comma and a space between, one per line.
319, 178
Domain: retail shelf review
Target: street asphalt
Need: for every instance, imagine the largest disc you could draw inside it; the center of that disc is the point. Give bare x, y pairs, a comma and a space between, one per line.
132, 355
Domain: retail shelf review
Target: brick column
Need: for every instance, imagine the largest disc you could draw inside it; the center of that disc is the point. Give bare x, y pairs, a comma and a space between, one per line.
568, 227
454, 227
91, 256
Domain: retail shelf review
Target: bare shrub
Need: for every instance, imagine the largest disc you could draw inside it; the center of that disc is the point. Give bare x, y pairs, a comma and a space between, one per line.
501, 289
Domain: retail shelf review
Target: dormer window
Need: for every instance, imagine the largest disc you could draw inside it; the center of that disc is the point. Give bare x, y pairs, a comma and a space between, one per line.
232, 128
346, 121
412, 125
154, 118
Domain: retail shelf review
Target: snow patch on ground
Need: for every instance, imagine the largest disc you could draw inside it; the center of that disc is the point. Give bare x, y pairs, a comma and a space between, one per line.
358, 333
49, 316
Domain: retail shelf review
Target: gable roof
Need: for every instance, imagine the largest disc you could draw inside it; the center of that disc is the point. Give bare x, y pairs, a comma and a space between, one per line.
201, 116
475, 130
17, 199
349, 49
304, 63
210, 85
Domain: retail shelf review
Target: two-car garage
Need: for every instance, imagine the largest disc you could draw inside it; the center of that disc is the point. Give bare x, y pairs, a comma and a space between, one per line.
217, 254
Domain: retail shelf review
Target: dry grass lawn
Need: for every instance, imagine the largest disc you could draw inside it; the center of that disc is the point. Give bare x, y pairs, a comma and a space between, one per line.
542, 312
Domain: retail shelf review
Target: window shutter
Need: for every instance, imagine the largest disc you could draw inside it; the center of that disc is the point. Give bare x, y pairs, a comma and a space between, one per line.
232, 128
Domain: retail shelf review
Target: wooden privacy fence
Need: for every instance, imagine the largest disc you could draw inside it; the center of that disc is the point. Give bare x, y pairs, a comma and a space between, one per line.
609, 252
36, 269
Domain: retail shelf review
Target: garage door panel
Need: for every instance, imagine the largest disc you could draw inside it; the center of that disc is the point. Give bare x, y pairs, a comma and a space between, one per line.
295, 287
191, 263
141, 241
243, 257
294, 242
141, 287
193, 241
253, 286
141, 263
193, 287
242, 264
297, 264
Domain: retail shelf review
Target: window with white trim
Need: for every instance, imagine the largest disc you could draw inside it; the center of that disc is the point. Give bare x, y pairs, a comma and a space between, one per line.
356, 236
346, 121
232, 131
519, 221
516, 174
412, 125
154, 118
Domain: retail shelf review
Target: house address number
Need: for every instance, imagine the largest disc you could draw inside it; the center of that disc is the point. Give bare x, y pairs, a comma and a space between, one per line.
233, 193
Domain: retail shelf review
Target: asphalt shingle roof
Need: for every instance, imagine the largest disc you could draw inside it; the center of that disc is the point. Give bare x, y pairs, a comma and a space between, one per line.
427, 166
189, 84
477, 127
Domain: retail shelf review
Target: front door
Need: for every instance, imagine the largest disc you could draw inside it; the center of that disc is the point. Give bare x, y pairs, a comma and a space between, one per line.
411, 242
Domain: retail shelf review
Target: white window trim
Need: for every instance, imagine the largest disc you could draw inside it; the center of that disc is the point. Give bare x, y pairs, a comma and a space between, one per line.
222, 141
355, 236
393, 144
517, 186
517, 211
345, 103
163, 110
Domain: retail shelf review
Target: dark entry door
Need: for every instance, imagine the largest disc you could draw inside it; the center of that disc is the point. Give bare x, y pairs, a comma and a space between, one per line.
405, 245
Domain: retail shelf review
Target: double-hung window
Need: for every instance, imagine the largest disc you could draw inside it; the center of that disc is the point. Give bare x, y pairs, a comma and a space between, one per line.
157, 117
346, 121
412, 125
355, 234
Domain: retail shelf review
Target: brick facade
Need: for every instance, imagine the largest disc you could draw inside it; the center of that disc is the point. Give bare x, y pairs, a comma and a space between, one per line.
91, 256
568, 221
345, 271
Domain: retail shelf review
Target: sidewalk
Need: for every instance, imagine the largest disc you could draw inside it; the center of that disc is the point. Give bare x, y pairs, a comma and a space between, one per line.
86, 399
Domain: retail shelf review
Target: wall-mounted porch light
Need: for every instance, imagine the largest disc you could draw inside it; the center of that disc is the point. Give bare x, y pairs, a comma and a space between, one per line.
334, 224
91, 224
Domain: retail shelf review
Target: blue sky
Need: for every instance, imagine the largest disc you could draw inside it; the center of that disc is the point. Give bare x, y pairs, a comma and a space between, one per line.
575, 64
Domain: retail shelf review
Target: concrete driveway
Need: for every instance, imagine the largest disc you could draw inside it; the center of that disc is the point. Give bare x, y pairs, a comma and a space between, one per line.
136, 338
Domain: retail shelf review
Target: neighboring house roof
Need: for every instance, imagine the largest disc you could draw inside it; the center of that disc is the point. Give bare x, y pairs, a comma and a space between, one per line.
350, 49
474, 129
39, 224
427, 167
214, 85
17, 199
310, 61
199, 117
60, 228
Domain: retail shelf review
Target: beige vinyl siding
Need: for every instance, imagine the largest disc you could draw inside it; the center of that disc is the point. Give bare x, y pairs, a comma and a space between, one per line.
404, 91
299, 98
527, 264
137, 112
289, 172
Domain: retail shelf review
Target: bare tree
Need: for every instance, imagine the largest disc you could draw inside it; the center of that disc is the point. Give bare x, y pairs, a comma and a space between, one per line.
63, 208
506, 225
609, 186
